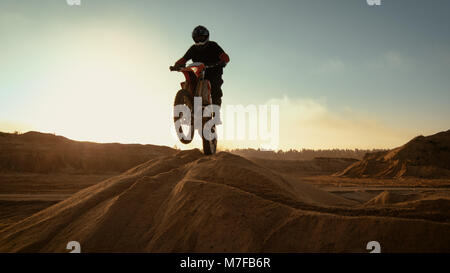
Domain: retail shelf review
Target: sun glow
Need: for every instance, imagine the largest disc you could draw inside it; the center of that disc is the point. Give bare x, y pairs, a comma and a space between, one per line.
107, 86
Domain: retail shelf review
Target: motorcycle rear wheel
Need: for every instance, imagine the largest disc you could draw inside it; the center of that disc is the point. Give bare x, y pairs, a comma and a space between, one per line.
210, 146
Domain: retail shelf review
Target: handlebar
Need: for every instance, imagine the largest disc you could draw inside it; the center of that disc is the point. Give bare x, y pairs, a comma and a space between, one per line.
175, 68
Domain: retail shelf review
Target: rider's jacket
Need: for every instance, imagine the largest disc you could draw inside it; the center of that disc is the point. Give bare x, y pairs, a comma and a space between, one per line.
209, 54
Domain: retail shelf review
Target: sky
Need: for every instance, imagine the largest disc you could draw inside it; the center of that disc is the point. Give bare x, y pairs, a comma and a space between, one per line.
343, 74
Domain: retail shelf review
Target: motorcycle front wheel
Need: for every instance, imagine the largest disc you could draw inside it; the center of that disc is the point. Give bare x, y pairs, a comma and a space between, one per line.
184, 124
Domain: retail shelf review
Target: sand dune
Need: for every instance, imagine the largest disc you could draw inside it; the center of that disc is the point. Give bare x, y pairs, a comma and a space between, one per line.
223, 203
427, 157
389, 198
38, 169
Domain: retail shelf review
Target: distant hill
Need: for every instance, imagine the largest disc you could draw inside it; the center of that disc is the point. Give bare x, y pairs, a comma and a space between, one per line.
304, 154
426, 157
316, 166
47, 153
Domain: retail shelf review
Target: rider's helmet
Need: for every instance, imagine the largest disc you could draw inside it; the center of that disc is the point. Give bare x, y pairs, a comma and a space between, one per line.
200, 34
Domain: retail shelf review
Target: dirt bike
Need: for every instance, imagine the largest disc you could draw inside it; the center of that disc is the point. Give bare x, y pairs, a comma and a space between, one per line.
195, 86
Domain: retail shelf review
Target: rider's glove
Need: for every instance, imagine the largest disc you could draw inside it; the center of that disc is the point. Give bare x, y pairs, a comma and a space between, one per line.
176, 66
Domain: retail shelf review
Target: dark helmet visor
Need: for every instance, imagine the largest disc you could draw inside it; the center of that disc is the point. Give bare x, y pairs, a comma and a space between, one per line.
200, 38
